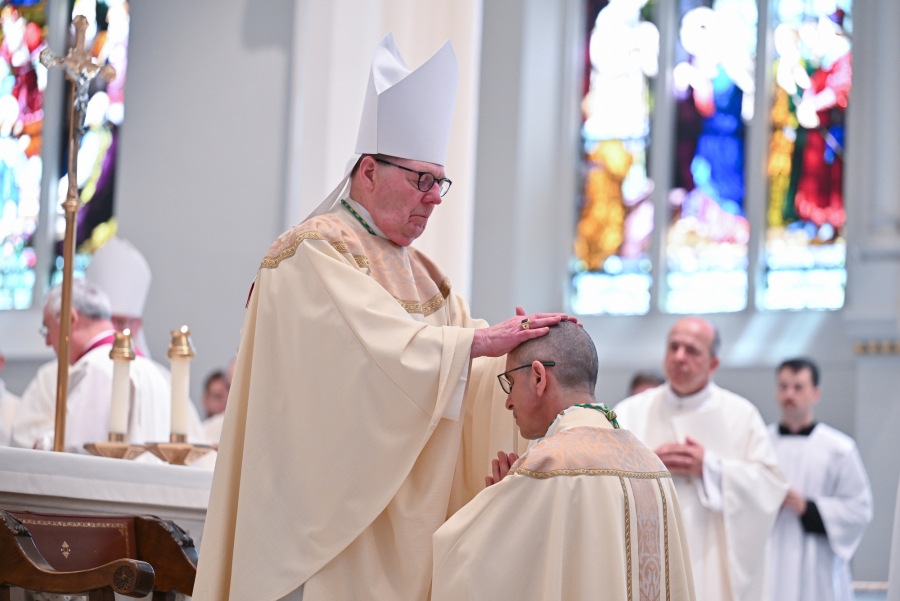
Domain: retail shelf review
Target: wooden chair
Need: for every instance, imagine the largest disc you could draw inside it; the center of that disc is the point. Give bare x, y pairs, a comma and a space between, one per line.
97, 556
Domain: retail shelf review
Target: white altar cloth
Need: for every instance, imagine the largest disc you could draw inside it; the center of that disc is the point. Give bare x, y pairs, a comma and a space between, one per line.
49, 482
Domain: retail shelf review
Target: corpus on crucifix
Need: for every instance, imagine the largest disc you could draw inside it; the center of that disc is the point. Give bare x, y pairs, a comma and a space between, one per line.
80, 70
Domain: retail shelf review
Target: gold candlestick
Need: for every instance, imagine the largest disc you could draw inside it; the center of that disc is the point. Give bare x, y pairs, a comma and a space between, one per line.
117, 448
178, 451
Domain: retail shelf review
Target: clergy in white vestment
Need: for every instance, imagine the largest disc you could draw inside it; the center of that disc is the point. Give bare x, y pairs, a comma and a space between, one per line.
121, 271
364, 392
90, 381
829, 504
588, 512
715, 444
9, 404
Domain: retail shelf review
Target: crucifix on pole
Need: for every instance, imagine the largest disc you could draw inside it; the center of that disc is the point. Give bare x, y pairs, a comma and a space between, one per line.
80, 70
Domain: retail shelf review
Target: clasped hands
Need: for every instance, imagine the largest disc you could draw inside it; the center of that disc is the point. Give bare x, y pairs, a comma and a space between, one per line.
683, 459
500, 339
500, 467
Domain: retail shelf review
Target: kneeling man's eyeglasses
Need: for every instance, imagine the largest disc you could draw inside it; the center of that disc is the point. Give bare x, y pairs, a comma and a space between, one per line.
506, 384
426, 180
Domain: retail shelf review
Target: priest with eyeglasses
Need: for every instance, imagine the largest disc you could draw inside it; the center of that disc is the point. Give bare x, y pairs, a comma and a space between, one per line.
363, 410
587, 512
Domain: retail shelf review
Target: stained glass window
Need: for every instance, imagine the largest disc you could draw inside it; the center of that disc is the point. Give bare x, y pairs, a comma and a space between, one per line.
107, 37
805, 251
612, 264
22, 83
706, 242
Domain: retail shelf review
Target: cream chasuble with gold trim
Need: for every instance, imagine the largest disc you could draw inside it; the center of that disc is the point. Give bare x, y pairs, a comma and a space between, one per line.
588, 512
356, 423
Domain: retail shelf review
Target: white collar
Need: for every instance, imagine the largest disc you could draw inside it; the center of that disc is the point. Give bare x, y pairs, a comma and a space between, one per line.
690, 402
367, 216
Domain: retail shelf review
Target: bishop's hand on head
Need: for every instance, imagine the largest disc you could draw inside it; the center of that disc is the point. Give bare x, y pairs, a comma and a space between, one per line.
500, 339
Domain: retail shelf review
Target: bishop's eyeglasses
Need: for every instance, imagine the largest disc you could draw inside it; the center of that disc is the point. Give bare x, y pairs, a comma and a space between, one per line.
506, 384
426, 180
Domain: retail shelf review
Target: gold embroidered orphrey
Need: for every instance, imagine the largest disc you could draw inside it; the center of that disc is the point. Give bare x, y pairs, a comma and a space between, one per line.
587, 451
287, 244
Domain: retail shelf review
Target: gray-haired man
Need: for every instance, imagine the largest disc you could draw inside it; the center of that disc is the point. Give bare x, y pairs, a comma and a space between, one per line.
725, 470
90, 381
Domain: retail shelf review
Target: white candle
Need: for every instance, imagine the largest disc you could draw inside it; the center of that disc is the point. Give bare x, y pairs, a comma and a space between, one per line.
181, 382
122, 354
121, 387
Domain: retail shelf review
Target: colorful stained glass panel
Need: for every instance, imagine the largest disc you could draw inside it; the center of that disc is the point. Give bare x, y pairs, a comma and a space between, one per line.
611, 265
107, 38
805, 250
23, 81
706, 242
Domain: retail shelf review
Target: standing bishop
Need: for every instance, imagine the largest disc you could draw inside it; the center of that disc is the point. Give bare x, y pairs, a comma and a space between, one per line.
716, 446
360, 413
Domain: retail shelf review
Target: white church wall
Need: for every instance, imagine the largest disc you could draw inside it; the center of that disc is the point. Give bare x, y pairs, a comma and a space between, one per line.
524, 181
202, 159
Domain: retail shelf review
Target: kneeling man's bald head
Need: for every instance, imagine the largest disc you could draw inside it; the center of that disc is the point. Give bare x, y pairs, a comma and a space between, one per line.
573, 351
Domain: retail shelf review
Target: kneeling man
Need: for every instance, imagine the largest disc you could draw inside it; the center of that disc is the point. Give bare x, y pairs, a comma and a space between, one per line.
587, 512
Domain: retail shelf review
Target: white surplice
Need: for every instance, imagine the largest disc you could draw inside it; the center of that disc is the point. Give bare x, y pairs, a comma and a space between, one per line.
729, 512
825, 467
90, 393
9, 404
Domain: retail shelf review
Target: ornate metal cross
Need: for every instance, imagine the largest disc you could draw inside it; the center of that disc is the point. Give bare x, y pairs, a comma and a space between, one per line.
80, 70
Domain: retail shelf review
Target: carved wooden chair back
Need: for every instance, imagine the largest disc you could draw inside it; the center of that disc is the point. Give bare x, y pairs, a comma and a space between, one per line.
97, 555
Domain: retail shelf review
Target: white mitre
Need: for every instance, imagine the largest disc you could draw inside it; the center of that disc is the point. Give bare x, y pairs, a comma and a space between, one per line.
406, 114
122, 272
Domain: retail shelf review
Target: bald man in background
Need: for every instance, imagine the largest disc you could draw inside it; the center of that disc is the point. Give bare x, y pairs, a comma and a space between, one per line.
725, 470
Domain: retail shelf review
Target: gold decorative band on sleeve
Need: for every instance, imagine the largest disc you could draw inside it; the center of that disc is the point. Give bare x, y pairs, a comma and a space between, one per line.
590, 472
361, 261
445, 287
410, 306
341, 247
271, 262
